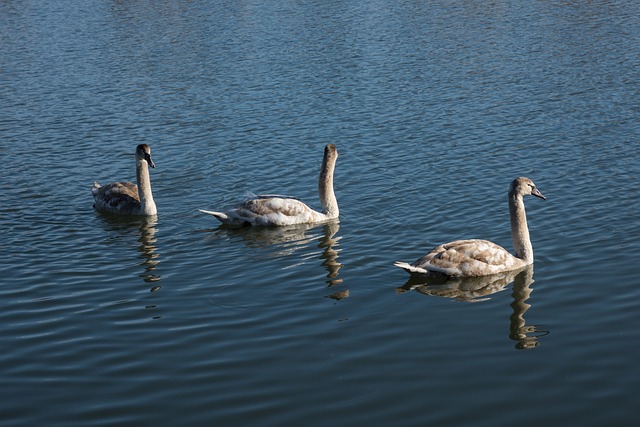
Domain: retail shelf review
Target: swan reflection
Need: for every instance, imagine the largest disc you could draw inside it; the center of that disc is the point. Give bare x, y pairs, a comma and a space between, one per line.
285, 240
526, 336
477, 289
145, 229
467, 289
330, 254
148, 249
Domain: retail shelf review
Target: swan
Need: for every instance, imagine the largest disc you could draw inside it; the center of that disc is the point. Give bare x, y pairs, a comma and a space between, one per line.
275, 210
125, 197
472, 258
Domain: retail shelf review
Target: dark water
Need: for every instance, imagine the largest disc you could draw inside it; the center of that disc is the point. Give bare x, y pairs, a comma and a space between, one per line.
435, 107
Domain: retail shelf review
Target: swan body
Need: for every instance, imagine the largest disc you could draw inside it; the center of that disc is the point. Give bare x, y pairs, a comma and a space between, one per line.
473, 258
276, 210
127, 198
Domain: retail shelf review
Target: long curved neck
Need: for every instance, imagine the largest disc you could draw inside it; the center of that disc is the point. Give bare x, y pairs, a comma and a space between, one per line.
147, 203
519, 229
325, 188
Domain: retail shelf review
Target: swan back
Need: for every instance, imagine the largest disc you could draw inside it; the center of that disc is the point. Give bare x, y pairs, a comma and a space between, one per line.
277, 211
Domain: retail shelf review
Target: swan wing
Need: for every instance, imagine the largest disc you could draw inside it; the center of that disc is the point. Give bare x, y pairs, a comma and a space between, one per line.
117, 197
468, 258
276, 211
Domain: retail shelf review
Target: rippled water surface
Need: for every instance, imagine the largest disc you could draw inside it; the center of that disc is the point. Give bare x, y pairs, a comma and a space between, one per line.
435, 106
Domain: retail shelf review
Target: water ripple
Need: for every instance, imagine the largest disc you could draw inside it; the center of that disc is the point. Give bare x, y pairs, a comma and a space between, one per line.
434, 106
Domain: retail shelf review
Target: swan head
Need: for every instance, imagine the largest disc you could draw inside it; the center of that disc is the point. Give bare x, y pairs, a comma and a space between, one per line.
143, 152
331, 152
328, 162
524, 187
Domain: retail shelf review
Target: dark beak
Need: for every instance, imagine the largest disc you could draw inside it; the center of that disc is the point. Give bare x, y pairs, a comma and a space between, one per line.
148, 159
537, 193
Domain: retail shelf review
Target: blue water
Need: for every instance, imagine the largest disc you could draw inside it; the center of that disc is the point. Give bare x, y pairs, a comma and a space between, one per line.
435, 106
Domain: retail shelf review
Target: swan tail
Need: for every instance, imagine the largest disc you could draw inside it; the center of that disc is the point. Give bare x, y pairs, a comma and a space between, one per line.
95, 188
410, 268
221, 216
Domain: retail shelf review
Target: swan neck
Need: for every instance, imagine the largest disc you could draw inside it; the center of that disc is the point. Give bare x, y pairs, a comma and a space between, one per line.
519, 229
325, 188
147, 204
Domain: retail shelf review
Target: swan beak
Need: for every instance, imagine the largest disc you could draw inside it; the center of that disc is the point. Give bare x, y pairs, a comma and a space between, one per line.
537, 193
148, 159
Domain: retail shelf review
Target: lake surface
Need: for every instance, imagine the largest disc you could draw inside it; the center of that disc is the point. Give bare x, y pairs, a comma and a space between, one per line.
435, 106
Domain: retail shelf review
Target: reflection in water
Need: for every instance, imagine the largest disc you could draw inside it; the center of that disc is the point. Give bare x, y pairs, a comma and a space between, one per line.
476, 289
339, 295
467, 289
526, 336
287, 239
330, 256
146, 228
148, 250
330, 253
